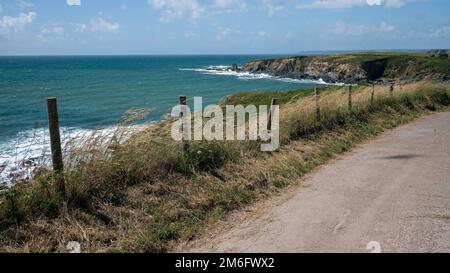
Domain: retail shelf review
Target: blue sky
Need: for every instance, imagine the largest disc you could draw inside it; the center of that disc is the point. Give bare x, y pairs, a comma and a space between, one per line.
61, 27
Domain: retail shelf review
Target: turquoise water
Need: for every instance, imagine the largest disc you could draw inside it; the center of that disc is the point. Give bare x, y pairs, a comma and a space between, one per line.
96, 91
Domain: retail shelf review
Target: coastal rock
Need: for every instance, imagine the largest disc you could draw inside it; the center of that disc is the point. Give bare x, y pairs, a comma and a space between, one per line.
234, 67
354, 69
306, 68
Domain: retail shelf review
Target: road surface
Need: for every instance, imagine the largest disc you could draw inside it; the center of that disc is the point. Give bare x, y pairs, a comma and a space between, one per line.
393, 192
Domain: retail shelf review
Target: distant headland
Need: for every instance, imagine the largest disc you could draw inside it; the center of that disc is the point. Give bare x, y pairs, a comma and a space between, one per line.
363, 67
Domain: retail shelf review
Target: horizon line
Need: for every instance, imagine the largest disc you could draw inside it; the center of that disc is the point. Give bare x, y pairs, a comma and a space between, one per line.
215, 54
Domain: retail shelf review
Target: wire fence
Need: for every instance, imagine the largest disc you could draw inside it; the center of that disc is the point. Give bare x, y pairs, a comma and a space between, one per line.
39, 149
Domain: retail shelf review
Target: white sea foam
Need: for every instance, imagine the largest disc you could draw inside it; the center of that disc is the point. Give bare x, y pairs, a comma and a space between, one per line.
224, 70
20, 156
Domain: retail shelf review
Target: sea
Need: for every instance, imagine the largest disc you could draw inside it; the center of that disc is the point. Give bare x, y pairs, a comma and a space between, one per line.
94, 93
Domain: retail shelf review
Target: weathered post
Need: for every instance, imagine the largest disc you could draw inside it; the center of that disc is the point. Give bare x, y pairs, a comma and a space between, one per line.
183, 101
391, 90
55, 144
372, 97
350, 105
317, 103
271, 111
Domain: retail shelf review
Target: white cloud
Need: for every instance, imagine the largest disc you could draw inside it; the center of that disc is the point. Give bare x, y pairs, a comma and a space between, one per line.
80, 27
96, 25
101, 25
24, 4
224, 33
332, 4
342, 28
73, 2
374, 2
193, 9
190, 34
272, 6
394, 3
262, 34
342, 4
48, 33
173, 9
289, 35
230, 5
57, 30
443, 32
230, 35
16, 24
385, 27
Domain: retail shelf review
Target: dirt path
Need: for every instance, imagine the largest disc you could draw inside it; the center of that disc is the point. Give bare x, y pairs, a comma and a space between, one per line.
394, 190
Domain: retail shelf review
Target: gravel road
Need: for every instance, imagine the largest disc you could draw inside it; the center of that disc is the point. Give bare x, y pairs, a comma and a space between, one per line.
392, 192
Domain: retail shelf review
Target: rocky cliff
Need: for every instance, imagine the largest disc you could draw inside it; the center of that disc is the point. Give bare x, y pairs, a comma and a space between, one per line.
355, 68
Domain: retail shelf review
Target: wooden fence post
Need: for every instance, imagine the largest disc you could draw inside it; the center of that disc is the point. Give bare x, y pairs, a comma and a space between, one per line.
55, 143
270, 116
372, 97
183, 101
317, 103
350, 105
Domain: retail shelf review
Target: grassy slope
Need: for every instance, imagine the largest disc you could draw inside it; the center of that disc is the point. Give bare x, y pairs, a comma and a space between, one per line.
265, 98
148, 195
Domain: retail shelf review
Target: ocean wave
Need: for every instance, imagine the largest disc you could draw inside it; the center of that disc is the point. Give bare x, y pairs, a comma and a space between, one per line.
28, 150
223, 70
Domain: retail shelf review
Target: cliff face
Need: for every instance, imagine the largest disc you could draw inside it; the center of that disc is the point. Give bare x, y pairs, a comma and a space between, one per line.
309, 68
353, 69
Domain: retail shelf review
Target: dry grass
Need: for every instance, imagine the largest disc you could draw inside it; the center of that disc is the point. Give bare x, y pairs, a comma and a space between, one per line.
146, 195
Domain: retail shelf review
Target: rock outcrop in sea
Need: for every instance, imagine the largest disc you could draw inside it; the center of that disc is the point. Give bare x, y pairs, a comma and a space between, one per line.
235, 68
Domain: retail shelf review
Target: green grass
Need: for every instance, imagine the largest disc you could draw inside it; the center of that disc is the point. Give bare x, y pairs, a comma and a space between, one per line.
370, 56
265, 98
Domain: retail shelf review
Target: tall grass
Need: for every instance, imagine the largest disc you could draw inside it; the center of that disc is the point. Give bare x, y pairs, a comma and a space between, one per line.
146, 194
